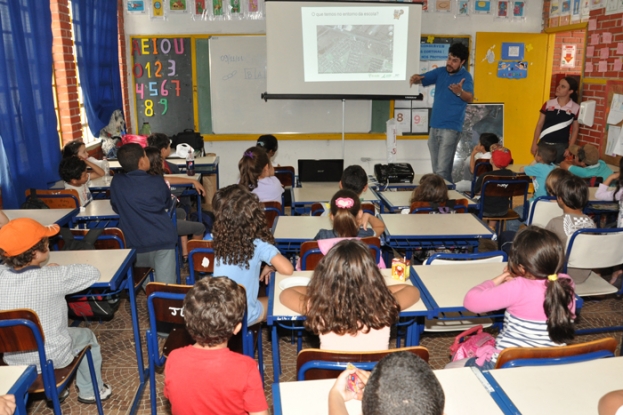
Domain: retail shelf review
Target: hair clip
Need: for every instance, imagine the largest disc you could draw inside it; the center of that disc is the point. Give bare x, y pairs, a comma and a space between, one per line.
249, 154
552, 277
344, 202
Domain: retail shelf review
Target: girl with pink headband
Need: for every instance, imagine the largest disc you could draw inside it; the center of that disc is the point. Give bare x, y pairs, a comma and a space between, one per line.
349, 221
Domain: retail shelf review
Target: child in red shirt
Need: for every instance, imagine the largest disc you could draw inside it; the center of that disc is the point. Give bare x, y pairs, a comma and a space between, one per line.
208, 378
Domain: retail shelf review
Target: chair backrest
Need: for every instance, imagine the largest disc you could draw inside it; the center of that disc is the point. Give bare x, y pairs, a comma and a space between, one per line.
271, 211
200, 258
110, 238
442, 258
285, 174
368, 208
58, 198
311, 254
314, 364
582, 245
458, 205
556, 355
482, 166
17, 337
317, 209
594, 181
542, 210
504, 186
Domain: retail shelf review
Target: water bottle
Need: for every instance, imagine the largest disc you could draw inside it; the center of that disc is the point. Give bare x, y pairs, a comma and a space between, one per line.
106, 168
190, 163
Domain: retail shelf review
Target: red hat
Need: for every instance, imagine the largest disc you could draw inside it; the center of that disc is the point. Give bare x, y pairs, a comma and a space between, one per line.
19, 235
501, 157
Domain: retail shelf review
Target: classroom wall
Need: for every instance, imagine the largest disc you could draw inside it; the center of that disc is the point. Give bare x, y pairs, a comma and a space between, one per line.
411, 150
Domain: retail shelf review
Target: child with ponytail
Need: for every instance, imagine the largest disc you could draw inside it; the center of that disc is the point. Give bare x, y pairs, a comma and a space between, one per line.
349, 221
258, 175
539, 300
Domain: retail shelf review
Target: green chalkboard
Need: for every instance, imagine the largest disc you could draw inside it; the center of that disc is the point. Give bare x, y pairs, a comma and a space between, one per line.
202, 57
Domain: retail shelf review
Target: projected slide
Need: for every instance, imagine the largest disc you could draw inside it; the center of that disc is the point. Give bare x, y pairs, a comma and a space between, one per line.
355, 44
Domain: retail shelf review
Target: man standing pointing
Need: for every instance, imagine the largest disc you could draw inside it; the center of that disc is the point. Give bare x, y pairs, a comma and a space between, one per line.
454, 90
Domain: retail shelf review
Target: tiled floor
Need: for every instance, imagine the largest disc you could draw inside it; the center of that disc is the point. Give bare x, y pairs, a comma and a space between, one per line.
120, 369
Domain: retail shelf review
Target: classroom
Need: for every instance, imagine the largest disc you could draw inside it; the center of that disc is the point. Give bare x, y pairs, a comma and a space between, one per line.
222, 75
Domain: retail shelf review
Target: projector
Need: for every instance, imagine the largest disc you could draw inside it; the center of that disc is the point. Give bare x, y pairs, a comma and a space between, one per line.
393, 173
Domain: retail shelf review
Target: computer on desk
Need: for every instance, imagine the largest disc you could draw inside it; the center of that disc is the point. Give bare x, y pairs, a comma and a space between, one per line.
326, 170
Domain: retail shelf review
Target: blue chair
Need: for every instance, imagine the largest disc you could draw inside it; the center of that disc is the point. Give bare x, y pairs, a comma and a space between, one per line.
271, 211
481, 166
164, 305
20, 331
545, 356
311, 254
200, 259
542, 210
312, 364
458, 206
507, 187
173, 216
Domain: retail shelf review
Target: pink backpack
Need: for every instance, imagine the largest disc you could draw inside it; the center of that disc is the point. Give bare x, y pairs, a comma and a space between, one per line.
468, 348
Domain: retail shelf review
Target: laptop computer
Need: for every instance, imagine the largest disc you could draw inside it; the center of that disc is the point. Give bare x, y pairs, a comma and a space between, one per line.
326, 170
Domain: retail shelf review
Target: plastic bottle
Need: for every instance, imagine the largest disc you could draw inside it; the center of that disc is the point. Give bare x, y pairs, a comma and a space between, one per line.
106, 168
145, 129
190, 163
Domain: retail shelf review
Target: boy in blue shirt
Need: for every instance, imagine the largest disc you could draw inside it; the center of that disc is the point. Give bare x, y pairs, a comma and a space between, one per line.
586, 162
142, 200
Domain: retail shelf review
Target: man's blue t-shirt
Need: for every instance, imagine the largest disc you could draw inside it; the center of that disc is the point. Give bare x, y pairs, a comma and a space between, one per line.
448, 109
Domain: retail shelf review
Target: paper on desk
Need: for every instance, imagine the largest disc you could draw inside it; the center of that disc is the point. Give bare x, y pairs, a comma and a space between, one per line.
615, 115
613, 142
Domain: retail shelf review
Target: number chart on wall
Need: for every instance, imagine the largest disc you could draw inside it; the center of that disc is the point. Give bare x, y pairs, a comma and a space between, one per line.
162, 75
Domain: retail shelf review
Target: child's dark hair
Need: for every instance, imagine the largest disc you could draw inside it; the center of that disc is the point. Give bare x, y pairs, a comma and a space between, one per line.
239, 221
432, 188
345, 206
347, 292
251, 166
159, 140
573, 191
547, 152
573, 85
619, 181
155, 161
541, 254
553, 178
129, 155
268, 142
72, 148
460, 51
488, 139
354, 178
71, 168
403, 384
212, 310
26, 257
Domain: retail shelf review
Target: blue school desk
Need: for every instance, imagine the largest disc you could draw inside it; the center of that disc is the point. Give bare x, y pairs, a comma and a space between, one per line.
96, 214
395, 202
410, 232
291, 231
278, 313
322, 192
46, 217
16, 380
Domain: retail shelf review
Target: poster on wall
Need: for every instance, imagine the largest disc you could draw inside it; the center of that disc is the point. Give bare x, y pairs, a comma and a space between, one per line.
567, 59
136, 7
479, 118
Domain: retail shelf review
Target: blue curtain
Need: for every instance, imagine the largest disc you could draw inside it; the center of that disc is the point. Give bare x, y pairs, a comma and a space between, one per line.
95, 33
30, 144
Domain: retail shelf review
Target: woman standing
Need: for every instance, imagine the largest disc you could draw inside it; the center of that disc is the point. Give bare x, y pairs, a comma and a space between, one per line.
558, 123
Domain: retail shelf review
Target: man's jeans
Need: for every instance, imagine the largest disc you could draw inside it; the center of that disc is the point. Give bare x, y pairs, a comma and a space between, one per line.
442, 145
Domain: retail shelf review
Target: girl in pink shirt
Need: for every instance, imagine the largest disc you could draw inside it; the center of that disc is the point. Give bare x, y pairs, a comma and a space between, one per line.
347, 302
539, 301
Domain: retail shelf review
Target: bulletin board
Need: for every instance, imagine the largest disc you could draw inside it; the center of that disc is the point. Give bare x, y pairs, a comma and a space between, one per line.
612, 87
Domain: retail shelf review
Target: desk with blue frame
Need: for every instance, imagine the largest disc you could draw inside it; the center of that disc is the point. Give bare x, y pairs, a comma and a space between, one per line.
16, 380
45, 217
395, 202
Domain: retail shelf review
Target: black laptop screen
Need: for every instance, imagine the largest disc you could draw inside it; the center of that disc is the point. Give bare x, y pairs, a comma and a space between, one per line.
327, 170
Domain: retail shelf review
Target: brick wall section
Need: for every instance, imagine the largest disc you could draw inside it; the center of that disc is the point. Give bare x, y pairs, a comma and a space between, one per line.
558, 71
65, 71
123, 66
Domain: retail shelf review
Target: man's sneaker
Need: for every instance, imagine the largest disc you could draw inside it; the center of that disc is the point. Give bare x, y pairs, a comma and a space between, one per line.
105, 393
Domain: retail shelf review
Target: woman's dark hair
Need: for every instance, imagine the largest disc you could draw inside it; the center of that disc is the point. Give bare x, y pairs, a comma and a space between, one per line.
541, 254
239, 220
72, 148
155, 161
345, 206
251, 166
619, 181
347, 292
432, 188
488, 139
573, 191
573, 85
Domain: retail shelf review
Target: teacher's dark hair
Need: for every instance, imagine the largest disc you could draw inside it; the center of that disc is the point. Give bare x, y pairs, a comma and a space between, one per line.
573, 85
460, 51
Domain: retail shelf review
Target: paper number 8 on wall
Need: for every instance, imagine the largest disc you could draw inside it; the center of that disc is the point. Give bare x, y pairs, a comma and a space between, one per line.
149, 107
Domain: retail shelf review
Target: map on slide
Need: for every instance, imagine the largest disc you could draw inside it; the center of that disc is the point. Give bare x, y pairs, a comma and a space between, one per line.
344, 49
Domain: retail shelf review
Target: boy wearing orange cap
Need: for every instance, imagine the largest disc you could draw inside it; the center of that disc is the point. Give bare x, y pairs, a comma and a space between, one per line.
26, 283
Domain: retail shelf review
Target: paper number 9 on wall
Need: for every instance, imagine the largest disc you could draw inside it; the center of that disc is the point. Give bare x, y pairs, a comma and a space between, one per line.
149, 107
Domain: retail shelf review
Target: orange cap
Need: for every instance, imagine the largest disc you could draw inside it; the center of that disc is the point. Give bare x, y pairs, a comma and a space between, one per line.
19, 235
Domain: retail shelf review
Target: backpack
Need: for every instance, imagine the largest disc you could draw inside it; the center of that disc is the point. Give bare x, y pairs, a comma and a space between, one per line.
469, 347
190, 137
33, 202
88, 242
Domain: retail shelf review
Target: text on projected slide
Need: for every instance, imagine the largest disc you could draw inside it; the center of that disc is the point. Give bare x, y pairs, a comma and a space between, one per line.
355, 43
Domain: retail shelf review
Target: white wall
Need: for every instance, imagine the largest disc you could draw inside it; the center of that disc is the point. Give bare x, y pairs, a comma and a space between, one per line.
411, 151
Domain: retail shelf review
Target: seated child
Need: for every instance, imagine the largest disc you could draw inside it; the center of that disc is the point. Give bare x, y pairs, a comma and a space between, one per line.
400, 384
572, 197
142, 200
487, 142
79, 149
354, 178
163, 143
432, 191
494, 205
73, 171
586, 162
269, 143
207, 377
349, 221
28, 283
258, 175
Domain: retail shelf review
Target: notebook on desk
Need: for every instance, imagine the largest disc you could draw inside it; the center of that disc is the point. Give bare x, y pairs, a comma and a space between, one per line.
325, 170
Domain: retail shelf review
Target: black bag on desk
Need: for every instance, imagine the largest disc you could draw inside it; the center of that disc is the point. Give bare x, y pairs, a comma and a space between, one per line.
190, 137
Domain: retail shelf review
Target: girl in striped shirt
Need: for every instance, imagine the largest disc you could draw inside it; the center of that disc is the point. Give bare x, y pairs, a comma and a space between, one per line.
539, 301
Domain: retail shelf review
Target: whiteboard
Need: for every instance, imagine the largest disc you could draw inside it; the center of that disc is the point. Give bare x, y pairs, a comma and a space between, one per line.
237, 80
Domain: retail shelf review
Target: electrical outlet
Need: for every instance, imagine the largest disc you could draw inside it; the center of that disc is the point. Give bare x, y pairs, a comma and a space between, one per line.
366, 159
